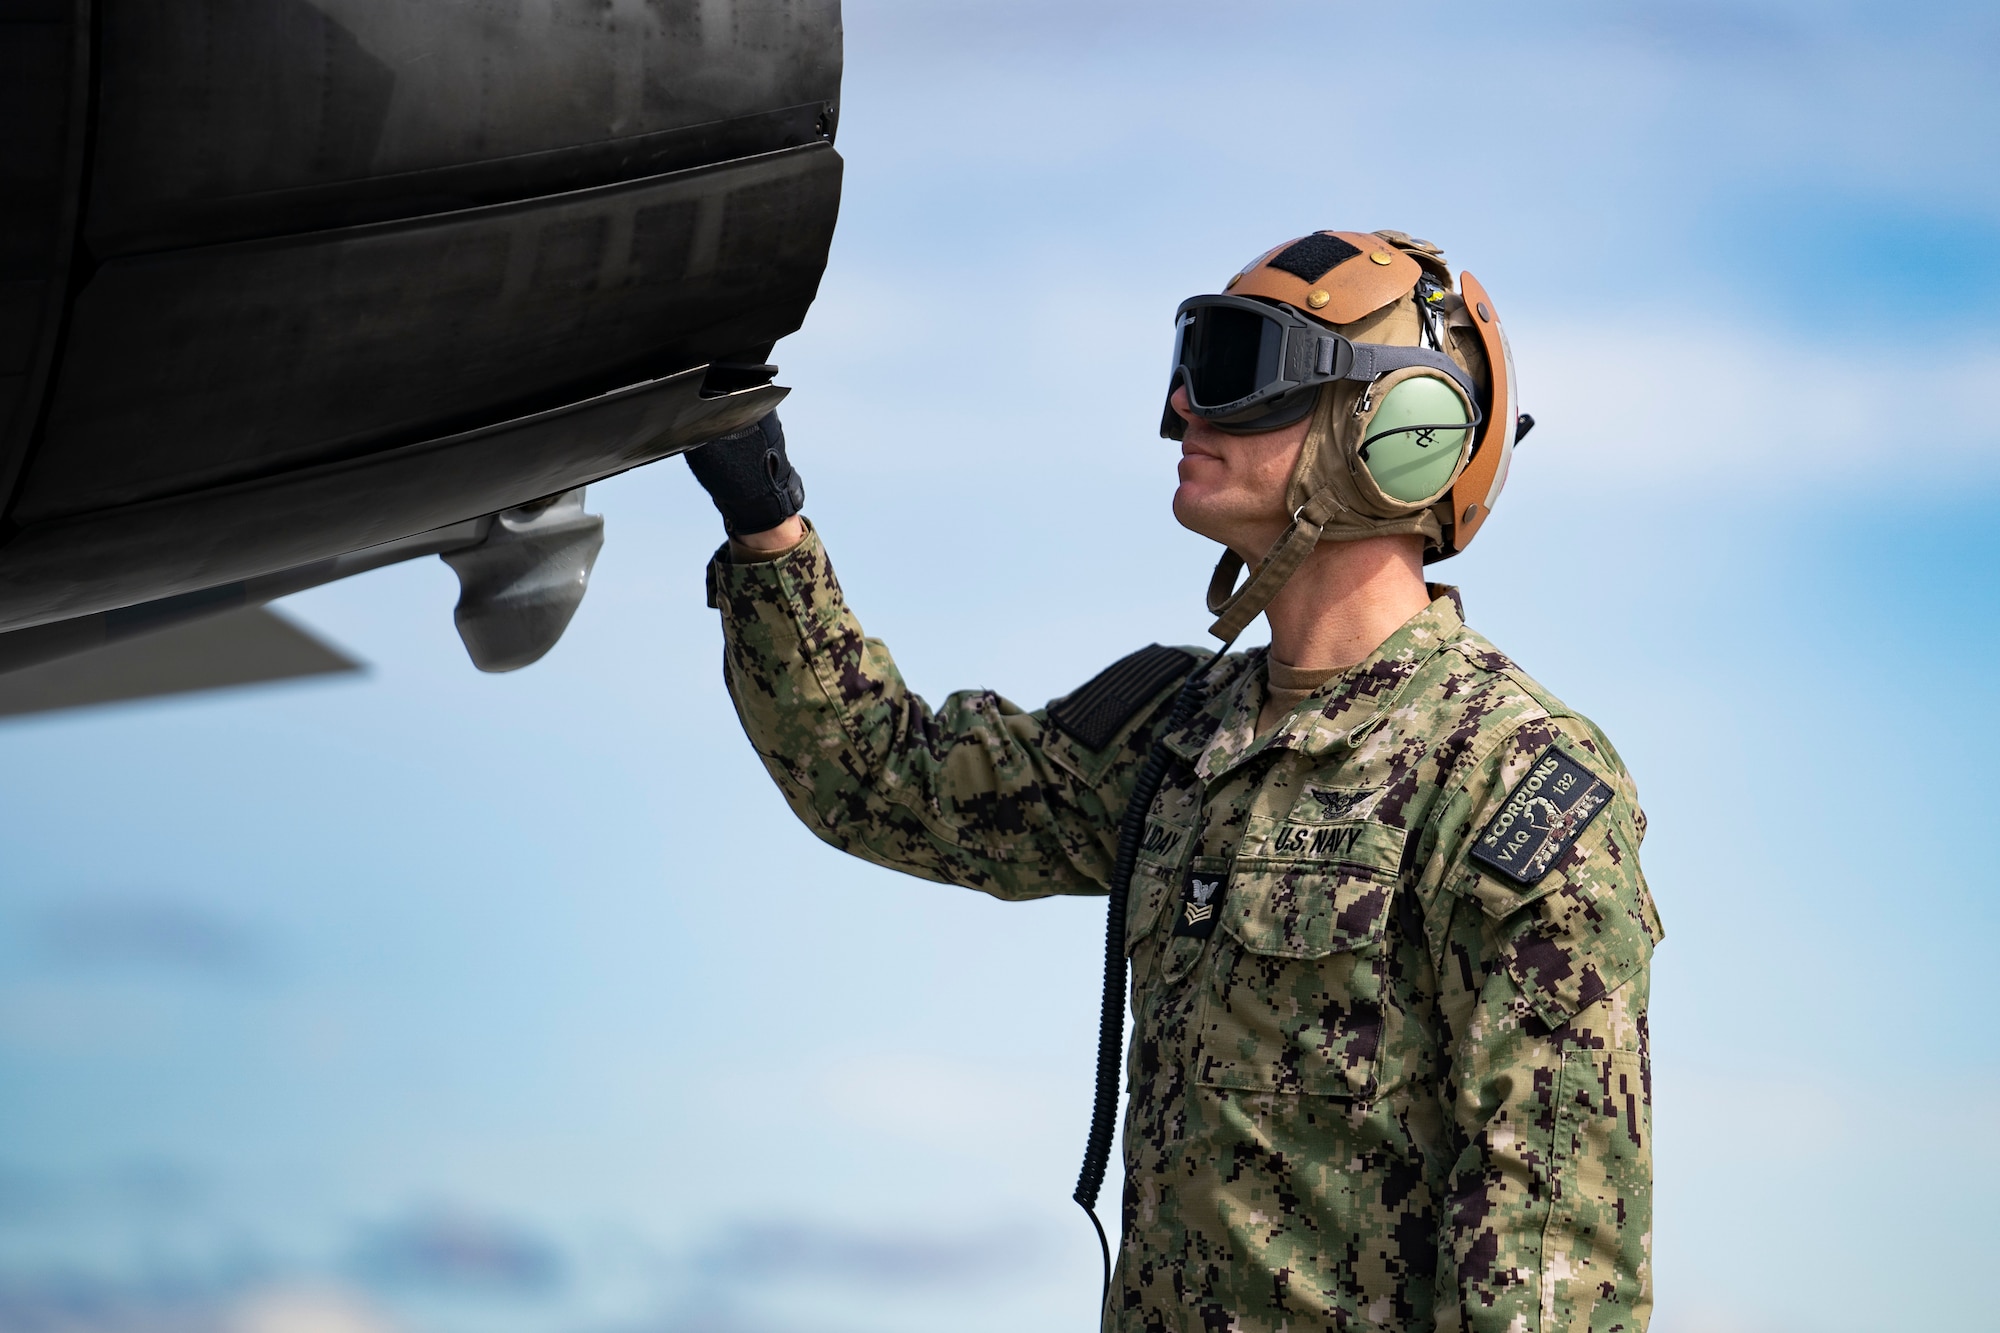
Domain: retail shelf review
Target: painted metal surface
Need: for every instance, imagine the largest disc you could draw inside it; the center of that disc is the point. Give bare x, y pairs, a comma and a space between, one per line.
280, 279
186, 543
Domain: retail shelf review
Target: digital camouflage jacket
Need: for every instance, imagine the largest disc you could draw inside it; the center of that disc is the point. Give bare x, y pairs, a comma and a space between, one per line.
1389, 960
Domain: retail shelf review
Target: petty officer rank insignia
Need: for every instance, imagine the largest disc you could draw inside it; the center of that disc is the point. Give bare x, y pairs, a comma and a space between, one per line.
1201, 899
1542, 818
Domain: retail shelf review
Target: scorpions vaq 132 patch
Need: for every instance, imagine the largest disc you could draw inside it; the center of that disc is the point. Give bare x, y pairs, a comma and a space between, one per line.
1543, 816
1201, 898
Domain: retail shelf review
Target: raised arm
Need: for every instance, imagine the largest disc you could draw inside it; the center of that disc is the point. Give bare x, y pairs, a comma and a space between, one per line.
976, 793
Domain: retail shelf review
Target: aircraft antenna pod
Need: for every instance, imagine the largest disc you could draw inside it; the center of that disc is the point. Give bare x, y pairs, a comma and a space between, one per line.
521, 584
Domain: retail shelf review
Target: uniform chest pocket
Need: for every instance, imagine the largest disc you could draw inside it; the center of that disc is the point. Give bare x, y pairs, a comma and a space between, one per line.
1294, 1002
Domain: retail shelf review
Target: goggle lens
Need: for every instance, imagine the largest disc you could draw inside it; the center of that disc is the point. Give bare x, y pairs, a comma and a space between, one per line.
1229, 353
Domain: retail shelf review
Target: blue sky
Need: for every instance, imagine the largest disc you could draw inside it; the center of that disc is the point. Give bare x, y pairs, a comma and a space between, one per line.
437, 1001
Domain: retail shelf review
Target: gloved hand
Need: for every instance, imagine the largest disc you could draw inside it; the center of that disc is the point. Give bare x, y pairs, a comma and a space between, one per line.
749, 477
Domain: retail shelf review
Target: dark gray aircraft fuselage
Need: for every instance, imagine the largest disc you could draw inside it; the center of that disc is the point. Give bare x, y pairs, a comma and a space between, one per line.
285, 279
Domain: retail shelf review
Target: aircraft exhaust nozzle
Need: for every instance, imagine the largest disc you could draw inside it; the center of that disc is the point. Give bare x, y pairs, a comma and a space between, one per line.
520, 585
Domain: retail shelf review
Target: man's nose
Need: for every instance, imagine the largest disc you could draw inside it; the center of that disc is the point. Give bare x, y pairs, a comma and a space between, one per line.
1178, 400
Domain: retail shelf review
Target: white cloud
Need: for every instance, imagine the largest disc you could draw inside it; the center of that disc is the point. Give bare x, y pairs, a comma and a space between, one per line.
1748, 413
304, 1309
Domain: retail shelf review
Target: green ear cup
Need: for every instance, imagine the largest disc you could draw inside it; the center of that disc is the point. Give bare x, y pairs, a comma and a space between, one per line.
1414, 465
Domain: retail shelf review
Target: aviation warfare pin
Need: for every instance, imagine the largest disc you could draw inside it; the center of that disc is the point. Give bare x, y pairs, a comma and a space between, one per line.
1343, 802
1201, 898
1542, 818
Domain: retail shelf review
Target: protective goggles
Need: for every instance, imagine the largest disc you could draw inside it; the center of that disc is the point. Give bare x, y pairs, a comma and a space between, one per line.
1248, 363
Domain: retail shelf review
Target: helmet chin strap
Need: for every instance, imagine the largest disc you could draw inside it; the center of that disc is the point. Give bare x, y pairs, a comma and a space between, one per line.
1234, 610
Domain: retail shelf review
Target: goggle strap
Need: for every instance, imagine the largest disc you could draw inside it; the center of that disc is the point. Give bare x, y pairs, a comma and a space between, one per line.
1234, 607
1373, 360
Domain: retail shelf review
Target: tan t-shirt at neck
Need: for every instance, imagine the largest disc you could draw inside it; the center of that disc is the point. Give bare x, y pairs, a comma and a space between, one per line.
1285, 687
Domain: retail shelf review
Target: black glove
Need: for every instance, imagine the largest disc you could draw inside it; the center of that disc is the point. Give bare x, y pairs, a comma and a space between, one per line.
749, 477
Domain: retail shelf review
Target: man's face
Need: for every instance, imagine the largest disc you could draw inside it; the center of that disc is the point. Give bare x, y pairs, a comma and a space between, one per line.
1233, 486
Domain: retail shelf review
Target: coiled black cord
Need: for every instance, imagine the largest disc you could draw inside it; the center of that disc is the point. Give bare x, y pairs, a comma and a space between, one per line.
1111, 1022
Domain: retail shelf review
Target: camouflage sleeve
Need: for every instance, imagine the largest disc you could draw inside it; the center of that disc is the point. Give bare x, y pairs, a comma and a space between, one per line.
1547, 933
977, 793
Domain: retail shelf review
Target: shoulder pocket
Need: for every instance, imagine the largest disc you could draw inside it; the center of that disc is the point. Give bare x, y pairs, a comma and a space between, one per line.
1591, 930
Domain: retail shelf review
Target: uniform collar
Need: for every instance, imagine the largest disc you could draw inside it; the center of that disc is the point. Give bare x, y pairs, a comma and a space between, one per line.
1223, 736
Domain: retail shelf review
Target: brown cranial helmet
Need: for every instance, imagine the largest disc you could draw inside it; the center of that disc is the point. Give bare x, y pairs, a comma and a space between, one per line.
1410, 386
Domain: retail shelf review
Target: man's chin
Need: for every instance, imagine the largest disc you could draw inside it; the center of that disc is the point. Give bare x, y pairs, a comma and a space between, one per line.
1195, 512
1223, 524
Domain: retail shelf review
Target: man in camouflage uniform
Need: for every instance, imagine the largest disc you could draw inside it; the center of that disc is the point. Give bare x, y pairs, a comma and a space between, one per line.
1388, 933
